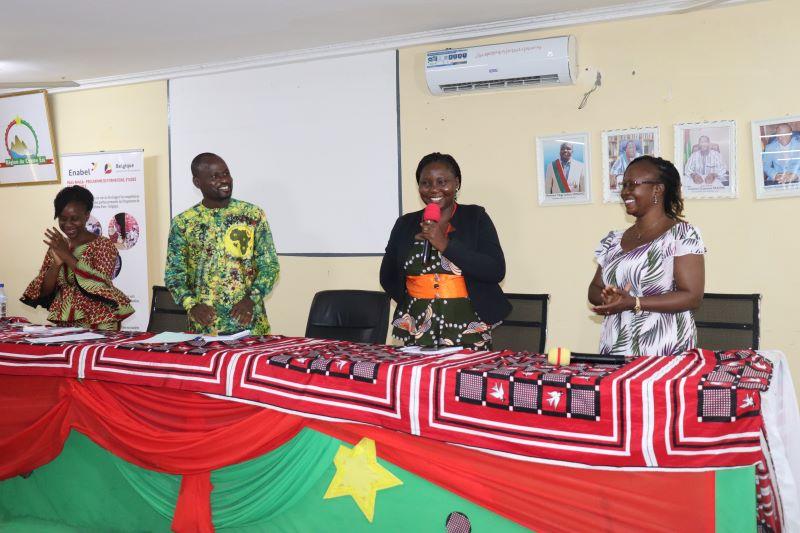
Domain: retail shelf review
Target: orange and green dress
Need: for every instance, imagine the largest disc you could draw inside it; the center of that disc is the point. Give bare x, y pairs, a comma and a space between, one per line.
84, 296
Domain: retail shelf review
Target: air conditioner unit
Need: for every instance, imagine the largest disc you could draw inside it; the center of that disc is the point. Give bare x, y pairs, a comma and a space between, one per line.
534, 63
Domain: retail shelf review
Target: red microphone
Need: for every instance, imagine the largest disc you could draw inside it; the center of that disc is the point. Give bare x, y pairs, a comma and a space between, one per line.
433, 213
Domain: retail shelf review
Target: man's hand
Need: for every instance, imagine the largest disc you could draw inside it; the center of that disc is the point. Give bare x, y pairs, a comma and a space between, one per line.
710, 178
242, 312
697, 178
203, 314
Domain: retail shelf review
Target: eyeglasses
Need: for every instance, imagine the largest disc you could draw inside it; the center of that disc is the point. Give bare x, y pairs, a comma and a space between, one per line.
632, 184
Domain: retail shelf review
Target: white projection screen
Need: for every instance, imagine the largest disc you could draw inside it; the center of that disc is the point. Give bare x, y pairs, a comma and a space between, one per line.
314, 143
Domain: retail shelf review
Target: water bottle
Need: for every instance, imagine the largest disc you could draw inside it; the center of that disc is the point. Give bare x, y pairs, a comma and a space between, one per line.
3, 301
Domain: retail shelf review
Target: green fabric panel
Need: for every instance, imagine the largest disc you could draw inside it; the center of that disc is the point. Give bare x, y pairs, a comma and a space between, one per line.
256, 490
417, 505
159, 490
88, 489
81, 490
735, 500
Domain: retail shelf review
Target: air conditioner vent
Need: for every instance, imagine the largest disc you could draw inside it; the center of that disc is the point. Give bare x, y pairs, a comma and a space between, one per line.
547, 79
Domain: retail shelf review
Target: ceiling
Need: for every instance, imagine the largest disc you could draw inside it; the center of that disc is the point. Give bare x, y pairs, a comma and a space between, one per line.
96, 40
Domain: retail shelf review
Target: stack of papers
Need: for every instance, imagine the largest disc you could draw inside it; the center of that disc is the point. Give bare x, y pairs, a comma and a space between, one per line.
88, 336
173, 337
48, 330
231, 337
169, 337
429, 350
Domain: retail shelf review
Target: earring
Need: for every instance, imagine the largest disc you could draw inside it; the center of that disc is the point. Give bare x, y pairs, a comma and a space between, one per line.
655, 200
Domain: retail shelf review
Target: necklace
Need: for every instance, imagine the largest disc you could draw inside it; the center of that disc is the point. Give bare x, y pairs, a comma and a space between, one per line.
639, 232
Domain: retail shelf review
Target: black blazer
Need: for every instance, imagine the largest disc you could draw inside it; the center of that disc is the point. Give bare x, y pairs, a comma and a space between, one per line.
473, 247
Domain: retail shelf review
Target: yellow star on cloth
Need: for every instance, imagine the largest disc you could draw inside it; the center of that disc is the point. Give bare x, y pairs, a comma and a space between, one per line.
359, 475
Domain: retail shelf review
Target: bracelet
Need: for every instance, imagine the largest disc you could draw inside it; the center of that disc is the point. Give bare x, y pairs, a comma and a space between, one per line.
638, 307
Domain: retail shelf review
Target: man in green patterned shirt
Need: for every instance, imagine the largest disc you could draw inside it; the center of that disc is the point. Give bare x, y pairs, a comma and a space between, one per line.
221, 261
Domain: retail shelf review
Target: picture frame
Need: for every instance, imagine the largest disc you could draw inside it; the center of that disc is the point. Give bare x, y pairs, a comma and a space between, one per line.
705, 156
620, 147
29, 155
776, 157
564, 169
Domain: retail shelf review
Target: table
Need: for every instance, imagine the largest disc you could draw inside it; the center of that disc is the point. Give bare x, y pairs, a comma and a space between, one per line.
637, 420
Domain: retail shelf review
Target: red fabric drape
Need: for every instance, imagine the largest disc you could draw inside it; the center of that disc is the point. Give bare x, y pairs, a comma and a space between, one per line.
190, 434
548, 497
164, 430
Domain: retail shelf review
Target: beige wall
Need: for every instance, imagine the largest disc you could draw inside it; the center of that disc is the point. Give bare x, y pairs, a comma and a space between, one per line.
119, 118
719, 64
726, 63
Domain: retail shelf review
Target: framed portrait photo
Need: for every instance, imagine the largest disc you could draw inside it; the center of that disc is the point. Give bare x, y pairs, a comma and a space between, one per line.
28, 154
620, 147
563, 169
705, 155
776, 157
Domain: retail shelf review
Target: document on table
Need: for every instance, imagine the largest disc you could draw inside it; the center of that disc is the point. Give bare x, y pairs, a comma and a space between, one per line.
430, 350
41, 330
88, 336
169, 337
231, 337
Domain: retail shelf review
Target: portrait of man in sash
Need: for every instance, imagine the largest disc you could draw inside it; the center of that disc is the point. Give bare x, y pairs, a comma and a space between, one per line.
565, 171
564, 174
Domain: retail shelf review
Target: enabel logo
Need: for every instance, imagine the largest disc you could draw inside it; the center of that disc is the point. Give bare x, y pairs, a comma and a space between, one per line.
107, 168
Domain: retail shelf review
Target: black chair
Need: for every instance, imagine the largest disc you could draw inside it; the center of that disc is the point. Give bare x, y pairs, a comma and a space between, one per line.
728, 321
165, 314
525, 328
349, 315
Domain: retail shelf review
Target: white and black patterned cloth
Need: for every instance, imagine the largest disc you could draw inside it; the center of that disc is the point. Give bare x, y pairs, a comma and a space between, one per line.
528, 383
733, 388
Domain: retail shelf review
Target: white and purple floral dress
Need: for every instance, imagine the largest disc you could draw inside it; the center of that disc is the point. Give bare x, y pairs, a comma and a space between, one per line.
647, 271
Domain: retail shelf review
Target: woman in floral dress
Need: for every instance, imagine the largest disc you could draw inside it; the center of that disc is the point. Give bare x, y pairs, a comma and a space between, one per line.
74, 282
455, 298
651, 276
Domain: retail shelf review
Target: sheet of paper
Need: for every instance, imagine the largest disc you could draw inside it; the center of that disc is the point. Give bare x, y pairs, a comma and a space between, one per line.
424, 350
231, 337
40, 330
169, 337
88, 336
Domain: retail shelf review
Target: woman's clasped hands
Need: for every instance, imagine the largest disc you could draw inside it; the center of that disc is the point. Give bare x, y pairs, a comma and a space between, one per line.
615, 300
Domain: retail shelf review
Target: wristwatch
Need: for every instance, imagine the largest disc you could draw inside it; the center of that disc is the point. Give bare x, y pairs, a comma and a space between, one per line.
638, 307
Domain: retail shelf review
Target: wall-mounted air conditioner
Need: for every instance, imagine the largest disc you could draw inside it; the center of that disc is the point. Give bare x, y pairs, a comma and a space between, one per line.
535, 63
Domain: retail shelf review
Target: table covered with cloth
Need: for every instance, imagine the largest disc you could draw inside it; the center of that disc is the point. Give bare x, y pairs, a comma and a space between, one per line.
700, 410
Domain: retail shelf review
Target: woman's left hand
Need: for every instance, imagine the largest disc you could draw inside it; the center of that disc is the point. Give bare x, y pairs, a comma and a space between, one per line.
57, 243
432, 232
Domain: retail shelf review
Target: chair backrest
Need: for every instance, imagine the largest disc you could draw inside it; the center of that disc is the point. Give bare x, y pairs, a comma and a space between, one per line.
728, 321
349, 315
165, 314
525, 328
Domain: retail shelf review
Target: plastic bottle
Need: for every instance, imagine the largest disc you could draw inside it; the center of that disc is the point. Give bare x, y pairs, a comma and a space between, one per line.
3, 301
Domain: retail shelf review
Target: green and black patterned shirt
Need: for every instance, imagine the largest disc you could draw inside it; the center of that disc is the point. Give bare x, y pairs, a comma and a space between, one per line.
219, 256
